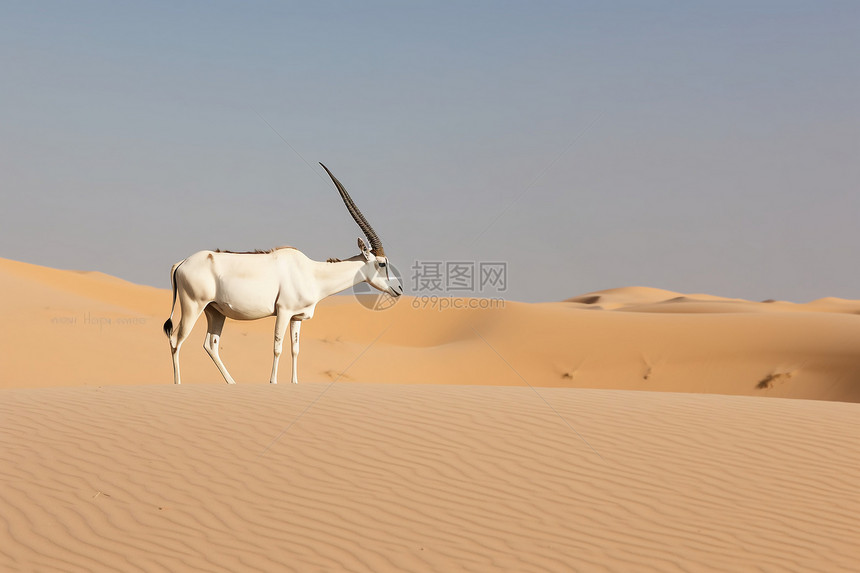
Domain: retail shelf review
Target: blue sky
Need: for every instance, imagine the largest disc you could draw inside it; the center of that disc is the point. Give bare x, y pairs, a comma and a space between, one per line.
694, 146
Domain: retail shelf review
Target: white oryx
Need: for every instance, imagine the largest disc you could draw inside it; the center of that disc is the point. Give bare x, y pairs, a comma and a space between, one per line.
282, 282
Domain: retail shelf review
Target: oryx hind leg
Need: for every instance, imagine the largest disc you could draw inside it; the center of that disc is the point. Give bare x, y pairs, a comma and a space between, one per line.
191, 311
215, 322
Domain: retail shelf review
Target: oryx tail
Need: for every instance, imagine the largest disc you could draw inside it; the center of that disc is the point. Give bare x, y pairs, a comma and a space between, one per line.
168, 325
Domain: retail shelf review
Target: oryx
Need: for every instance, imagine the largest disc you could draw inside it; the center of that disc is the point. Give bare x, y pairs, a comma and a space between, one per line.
281, 282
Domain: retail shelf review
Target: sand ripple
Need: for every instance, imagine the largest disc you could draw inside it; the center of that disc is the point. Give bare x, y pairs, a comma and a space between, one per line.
424, 478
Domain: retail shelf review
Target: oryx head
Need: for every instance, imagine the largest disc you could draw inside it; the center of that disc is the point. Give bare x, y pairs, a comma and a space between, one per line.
377, 271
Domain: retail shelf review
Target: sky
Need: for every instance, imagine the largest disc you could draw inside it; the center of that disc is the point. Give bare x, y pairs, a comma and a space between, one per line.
693, 146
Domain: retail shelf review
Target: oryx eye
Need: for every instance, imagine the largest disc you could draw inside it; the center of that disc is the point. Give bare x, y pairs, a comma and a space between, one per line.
382, 265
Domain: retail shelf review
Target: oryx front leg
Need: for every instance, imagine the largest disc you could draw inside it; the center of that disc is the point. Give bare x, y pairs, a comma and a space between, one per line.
295, 328
213, 339
280, 331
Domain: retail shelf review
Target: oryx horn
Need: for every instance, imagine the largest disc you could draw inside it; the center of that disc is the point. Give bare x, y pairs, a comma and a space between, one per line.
375, 243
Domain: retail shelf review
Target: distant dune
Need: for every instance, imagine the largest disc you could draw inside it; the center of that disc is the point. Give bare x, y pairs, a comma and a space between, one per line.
64, 328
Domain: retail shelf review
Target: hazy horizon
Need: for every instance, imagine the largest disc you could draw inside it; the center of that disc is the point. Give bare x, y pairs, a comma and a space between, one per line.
707, 147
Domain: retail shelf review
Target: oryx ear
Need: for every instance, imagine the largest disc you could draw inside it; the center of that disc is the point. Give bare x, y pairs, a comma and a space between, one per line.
365, 250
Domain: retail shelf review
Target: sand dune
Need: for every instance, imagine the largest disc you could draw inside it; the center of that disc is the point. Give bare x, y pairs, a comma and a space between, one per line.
87, 329
366, 477
426, 438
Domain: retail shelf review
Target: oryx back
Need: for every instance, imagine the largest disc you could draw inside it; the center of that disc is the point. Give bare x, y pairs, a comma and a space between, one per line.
239, 286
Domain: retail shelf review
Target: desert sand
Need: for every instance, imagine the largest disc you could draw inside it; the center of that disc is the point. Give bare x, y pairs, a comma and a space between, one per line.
633, 429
